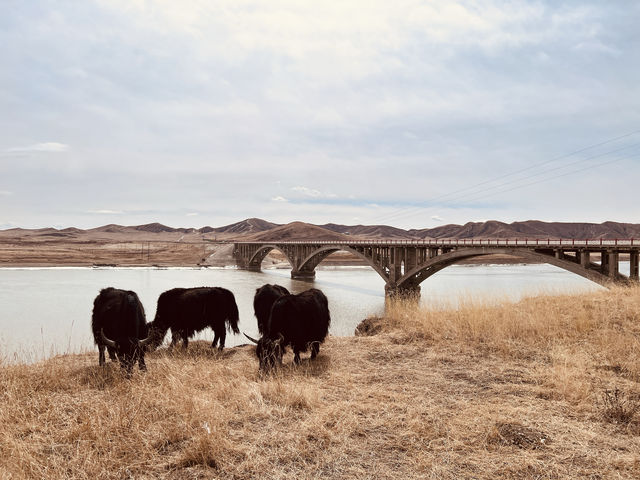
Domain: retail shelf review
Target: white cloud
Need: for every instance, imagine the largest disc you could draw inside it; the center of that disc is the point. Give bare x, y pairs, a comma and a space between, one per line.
106, 212
193, 214
5, 193
279, 199
310, 192
40, 147
437, 218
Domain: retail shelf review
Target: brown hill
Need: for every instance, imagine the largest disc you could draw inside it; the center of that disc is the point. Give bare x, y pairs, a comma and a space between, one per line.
532, 229
248, 226
258, 229
160, 228
296, 231
370, 231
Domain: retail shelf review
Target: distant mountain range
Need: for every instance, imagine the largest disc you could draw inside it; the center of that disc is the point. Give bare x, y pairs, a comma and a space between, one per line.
260, 230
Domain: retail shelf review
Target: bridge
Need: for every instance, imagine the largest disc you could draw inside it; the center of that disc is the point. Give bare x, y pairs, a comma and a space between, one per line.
404, 264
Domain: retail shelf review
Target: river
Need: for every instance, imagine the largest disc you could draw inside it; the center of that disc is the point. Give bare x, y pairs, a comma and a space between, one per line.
47, 311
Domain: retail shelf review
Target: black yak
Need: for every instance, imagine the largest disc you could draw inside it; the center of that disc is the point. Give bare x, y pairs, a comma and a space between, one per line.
188, 310
300, 321
118, 323
263, 300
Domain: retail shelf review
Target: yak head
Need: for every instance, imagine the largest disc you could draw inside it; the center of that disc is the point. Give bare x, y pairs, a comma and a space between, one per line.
155, 336
269, 351
128, 350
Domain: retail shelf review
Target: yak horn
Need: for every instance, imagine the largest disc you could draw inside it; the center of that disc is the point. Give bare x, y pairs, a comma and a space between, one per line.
107, 342
252, 339
145, 341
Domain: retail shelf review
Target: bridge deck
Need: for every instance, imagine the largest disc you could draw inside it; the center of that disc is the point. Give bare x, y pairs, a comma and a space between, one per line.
596, 244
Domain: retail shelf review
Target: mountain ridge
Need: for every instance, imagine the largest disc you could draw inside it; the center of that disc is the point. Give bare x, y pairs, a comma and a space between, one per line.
256, 229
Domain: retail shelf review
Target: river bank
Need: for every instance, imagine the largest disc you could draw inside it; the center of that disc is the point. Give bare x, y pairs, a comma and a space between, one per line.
542, 388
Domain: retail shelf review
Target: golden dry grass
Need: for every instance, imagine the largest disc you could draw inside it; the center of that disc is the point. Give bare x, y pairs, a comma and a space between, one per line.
510, 391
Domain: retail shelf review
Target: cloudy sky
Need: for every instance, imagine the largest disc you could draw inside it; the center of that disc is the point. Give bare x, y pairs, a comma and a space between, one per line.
410, 113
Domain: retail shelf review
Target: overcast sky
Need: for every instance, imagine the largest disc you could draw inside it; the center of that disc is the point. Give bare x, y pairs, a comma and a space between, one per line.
408, 113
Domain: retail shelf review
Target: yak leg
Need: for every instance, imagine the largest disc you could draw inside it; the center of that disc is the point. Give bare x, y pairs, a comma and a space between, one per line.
101, 359
141, 363
315, 348
174, 339
296, 356
219, 337
185, 340
112, 354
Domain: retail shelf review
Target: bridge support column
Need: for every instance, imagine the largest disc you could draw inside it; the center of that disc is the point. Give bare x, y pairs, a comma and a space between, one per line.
585, 258
395, 267
634, 271
303, 274
613, 266
410, 259
604, 262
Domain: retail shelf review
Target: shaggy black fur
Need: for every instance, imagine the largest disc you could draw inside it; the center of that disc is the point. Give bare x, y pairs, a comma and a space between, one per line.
300, 321
120, 315
263, 300
188, 310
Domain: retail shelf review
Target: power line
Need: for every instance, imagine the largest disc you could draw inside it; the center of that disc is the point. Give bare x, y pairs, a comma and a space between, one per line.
518, 180
404, 212
608, 162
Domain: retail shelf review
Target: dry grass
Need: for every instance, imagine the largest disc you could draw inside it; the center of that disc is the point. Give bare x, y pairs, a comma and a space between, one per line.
512, 391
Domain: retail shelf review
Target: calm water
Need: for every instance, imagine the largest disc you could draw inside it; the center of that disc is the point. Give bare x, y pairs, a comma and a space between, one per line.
47, 311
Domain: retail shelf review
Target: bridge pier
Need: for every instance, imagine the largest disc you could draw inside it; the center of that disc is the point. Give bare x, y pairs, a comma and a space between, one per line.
633, 266
303, 274
585, 258
613, 265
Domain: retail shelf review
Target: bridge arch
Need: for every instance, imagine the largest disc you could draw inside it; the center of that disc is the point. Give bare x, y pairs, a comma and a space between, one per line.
418, 274
311, 261
259, 255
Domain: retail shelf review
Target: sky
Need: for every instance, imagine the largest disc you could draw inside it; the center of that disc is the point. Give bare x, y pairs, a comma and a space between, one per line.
407, 113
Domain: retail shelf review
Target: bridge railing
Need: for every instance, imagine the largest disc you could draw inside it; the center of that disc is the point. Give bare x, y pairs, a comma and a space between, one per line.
524, 242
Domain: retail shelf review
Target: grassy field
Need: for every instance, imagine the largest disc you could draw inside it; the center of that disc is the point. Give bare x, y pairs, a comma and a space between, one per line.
545, 388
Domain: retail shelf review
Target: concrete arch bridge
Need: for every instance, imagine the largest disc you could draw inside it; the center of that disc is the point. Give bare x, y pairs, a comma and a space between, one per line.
405, 264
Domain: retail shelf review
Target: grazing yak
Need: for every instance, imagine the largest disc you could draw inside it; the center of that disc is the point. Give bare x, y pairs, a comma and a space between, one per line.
300, 321
263, 300
188, 310
118, 324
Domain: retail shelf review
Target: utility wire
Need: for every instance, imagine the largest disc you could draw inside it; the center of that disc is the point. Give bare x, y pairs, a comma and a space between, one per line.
403, 212
608, 162
519, 180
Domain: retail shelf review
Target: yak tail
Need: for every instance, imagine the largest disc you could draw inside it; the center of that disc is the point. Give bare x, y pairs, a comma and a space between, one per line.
233, 318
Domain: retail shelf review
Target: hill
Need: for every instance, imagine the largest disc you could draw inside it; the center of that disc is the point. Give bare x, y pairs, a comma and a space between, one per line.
257, 229
531, 229
297, 231
245, 227
370, 231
